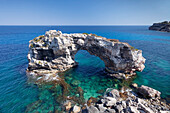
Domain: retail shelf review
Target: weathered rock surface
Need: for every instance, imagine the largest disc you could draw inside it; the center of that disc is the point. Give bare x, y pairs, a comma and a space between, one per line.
127, 102
131, 104
76, 109
148, 92
54, 52
163, 26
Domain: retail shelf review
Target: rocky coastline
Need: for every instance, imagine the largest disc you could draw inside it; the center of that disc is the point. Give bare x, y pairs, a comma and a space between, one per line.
137, 100
54, 52
162, 26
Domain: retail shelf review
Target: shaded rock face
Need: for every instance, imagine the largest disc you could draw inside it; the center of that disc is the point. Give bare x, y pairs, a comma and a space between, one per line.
148, 92
55, 52
163, 26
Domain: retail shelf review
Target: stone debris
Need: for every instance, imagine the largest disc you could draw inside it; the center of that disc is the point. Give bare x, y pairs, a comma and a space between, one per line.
132, 104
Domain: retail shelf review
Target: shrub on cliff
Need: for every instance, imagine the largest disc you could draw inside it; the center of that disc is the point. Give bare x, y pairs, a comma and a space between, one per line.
85, 33
112, 40
42, 36
132, 48
31, 45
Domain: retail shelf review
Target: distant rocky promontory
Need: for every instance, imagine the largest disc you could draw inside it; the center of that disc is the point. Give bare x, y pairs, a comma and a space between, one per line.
162, 26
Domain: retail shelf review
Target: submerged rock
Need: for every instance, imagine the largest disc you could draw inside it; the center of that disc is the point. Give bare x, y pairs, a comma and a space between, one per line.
75, 82
55, 52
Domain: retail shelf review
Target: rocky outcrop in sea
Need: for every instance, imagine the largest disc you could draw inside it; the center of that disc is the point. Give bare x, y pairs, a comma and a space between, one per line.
54, 52
162, 26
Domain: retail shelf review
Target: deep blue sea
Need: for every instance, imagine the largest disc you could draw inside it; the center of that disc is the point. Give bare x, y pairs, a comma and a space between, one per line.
16, 93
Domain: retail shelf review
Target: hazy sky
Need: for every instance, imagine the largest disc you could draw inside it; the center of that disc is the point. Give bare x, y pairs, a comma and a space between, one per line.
83, 12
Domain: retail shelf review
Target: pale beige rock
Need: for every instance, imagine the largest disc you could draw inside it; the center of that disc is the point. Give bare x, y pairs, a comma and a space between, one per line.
55, 51
76, 109
68, 106
135, 85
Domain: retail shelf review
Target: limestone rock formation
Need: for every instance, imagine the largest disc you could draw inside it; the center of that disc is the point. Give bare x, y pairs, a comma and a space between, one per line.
148, 92
163, 26
127, 101
55, 52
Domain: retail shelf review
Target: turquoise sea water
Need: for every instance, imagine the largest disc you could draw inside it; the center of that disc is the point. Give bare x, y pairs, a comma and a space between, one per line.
16, 93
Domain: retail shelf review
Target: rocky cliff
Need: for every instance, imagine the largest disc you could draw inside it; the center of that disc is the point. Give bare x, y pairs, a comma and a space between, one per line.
163, 26
54, 52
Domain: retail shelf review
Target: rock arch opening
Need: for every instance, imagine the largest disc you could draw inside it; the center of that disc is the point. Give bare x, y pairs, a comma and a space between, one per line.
88, 63
60, 50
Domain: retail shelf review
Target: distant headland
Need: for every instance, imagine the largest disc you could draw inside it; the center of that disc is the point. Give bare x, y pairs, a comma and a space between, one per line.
162, 26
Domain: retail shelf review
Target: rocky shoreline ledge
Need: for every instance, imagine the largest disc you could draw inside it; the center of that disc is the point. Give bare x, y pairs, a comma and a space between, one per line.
139, 100
162, 26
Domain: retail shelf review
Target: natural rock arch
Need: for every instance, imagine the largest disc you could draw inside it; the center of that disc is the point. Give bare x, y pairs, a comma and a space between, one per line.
55, 52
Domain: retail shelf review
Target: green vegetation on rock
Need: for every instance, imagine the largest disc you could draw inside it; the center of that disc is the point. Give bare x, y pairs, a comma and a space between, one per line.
31, 45
132, 48
85, 33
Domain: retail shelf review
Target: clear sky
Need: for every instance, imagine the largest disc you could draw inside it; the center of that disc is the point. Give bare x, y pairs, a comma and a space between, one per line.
83, 12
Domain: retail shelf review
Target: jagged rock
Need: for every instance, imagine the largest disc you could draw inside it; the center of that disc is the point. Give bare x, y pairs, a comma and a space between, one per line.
140, 101
101, 107
134, 85
148, 92
132, 104
55, 52
110, 101
119, 108
93, 109
109, 111
163, 26
144, 108
115, 93
123, 104
67, 105
133, 109
164, 111
129, 102
91, 100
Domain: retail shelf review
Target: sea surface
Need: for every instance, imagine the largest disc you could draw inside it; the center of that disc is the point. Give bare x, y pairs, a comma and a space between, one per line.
17, 94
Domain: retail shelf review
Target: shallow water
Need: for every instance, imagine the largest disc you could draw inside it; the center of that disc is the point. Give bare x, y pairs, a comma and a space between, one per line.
17, 93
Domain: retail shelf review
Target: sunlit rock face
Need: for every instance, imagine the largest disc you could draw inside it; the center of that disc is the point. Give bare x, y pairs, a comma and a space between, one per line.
55, 52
